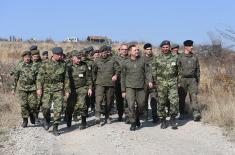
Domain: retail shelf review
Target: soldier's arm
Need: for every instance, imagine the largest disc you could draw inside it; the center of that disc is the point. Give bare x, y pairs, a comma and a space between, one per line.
123, 78
40, 77
67, 81
89, 78
153, 68
117, 69
179, 68
148, 73
16, 76
197, 70
94, 71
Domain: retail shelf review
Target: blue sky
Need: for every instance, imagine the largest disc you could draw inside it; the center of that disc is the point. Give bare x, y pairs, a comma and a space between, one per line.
122, 20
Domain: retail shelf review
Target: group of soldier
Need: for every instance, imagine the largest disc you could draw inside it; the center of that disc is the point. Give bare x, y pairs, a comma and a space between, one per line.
102, 79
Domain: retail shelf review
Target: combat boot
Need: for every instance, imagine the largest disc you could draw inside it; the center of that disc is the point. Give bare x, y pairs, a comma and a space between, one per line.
137, 122
133, 127
173, 123
181, 117
164, 124
46, 124
55, 130
127, 120
25, 122
155, 120
36, 118
83, 123
32, 119
108, 120
98, 120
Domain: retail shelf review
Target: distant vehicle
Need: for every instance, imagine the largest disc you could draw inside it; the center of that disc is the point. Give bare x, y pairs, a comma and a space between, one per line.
99, 39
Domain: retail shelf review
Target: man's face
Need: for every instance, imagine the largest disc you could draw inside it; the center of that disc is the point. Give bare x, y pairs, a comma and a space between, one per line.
188, 49
123, 50
35, 57
76, 59
57, 57
134, 52
165, 49
26, 58
175, 50
104, 54
96, 55
44, 57
148, 51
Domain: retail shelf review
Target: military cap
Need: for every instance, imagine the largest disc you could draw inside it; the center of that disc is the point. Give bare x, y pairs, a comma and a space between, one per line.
57, 50
25, 53
109, 48
35, 52
33, 47
188, 43
74, 53
103, 48
174, 46
147, 45
165, 42
88, 49
45, 53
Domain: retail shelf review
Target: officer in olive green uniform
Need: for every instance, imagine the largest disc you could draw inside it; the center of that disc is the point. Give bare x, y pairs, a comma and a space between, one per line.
150, 92
120, 102
165, 72
134, 75
25, 80
37, 62
105, 73
53, 81
81, 88
189, 71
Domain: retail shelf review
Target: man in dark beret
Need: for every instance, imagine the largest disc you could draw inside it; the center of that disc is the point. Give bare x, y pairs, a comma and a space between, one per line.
165, 42
33, 47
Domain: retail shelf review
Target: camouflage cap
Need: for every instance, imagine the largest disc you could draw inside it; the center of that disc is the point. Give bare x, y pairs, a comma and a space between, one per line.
33, 47
165, 42
174, 46
74, 53
35, 52
57, 50
103, 48
25, 53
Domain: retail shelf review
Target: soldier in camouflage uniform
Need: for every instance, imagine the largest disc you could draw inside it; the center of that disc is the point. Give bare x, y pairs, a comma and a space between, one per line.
150, 92
25, 80
189, 71
175, 49
53, 81
134, 75
120, 102
105, 73
81, 88
165, 73
37, 62
44, 55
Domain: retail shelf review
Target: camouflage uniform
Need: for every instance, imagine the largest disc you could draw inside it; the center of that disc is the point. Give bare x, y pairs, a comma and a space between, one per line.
134, 75
53, 80
25, 79
150, 93
189, 71
80, 82
103, 71
165, 72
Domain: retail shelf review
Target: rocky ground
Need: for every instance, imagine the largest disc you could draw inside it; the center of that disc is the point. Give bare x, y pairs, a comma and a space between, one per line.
116, 139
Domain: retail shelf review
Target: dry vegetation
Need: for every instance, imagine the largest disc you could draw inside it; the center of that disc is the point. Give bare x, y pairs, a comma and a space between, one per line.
217, 88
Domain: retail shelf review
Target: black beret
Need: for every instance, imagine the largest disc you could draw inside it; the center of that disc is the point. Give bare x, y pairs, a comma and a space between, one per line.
103, 48
88, 49
33, 47
109, 48
25, 53
147, 45
45, 53
174, 46
165, 42
35, 52
57, 50
188, 43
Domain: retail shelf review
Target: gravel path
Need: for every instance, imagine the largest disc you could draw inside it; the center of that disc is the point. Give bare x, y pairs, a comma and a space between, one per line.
116, 139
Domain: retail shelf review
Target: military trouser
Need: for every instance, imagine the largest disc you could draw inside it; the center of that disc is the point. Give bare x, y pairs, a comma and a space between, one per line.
57, 98
103, 93
119, 99
28, 100
152, 95
136, 102
76, 102
188, 85
90, 101
167, 94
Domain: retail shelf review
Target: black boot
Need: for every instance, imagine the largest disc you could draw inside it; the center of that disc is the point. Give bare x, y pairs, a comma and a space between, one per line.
83, 123
119, 118
137, 122
25, 122
32, 119
173, 123
127, 120
55, 130
164, 124
46, 124
155, 120
133, 127
181, 117
36, 118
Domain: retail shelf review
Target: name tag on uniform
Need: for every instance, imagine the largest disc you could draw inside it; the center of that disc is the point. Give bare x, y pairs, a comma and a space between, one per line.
173, 64
80, 75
